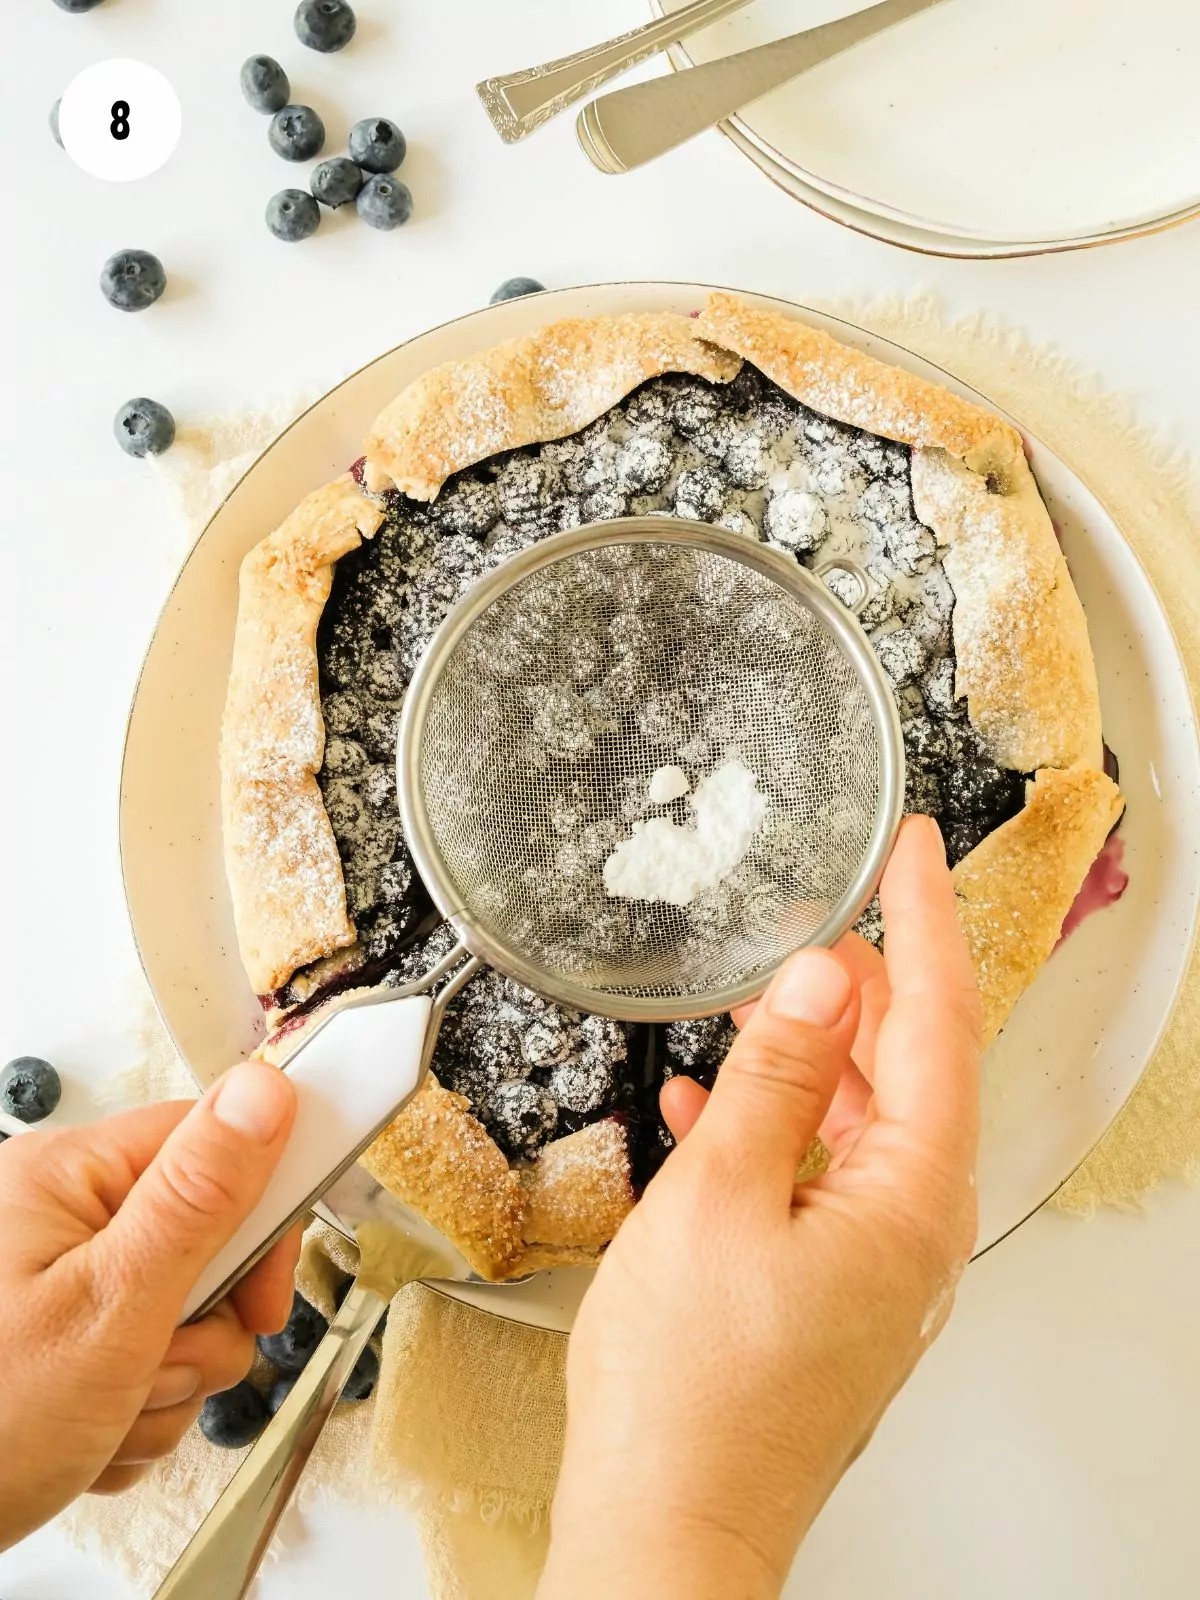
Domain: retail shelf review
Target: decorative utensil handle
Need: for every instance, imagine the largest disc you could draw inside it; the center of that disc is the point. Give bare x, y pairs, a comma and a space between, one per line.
630, 127
519, 102
225, 1552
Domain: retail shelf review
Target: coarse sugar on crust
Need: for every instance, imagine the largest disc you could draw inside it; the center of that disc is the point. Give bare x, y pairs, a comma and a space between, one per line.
578, 1190
436, 1157
544, 386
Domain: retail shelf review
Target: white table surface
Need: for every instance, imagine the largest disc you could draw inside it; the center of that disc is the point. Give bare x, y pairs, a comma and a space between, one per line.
1046, 1448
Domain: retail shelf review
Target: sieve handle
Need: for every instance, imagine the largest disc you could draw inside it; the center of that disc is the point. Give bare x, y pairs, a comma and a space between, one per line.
844, 564
351, 1078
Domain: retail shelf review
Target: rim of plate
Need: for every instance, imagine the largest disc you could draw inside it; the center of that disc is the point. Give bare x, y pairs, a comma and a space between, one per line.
686, 288
939, 246
958, 245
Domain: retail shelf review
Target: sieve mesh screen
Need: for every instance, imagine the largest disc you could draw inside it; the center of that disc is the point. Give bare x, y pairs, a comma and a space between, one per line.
545, 722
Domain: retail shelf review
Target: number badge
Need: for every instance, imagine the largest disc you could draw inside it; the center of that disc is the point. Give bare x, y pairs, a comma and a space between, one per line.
120, 120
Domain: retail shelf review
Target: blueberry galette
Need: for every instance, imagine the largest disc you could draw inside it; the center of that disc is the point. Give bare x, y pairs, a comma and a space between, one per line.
538, 1125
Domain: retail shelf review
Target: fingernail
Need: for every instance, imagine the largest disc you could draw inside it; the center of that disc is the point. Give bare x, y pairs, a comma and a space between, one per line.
171, 1387
253, 1099
813, 987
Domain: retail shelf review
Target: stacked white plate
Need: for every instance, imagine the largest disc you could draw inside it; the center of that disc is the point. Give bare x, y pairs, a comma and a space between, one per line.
982, 128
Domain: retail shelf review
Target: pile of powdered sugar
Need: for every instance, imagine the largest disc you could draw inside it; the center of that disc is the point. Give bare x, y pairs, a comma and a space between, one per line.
662, 861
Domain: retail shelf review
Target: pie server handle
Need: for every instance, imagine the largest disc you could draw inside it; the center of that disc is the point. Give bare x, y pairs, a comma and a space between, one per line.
351, 1076
223, 1555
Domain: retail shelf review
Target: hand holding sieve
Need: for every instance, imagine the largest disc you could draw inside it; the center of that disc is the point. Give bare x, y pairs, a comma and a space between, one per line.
542, 706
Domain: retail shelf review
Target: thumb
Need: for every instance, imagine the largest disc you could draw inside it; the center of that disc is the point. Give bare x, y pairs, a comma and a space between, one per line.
777, 1083
205, 1180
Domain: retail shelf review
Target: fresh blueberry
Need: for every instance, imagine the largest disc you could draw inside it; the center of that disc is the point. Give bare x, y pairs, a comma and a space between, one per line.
279, 1391
265, 84
293, 214
336, 182
384, 202
54, 110
514, 288
325, 25
235, 1417
29, 1089
144, 428
291, 1349
77, 5
364, 1377
296, 133
377, 145
132, 280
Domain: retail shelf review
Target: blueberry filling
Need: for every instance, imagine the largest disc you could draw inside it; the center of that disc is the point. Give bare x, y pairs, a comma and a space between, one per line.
744, 456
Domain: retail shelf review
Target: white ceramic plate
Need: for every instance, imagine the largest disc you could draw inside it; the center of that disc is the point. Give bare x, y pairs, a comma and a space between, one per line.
890, 231
1079, 1040
1019, 122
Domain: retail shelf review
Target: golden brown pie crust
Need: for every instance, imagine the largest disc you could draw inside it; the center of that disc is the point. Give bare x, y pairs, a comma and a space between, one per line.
1013, 886
548, 385
1025, 667
285, 877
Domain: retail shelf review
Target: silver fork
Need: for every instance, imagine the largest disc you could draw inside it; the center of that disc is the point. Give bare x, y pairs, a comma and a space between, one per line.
624, 130
519, 102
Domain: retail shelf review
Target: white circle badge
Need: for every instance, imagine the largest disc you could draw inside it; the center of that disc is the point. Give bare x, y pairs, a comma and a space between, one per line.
120, 120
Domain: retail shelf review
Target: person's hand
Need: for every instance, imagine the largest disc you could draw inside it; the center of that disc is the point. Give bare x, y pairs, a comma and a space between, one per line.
744, 1335
104, 1231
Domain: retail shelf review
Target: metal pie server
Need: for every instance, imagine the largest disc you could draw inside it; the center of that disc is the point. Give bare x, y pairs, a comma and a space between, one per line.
630, 127
352, 1072
395, 1247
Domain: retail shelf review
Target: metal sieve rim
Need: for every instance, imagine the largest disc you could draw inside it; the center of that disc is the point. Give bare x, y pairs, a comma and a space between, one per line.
795, 580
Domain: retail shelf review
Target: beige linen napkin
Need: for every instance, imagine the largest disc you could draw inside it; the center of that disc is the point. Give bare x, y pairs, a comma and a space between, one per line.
466, 1427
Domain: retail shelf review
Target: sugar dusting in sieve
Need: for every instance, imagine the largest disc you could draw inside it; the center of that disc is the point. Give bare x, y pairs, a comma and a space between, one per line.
556, 690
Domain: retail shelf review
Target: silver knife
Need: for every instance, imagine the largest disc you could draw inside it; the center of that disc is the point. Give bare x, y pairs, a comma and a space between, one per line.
624, 130
519, 102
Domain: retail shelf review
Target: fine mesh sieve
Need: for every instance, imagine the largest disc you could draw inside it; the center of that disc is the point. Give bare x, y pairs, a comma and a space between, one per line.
560, 685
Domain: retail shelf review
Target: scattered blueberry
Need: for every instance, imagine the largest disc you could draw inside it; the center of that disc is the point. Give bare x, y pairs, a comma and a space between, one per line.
377, 145
265, 84
336, 182
364, 1377
293, 214
144, 428
325, 25
132, 280
279, 1391
384, 202
54, 123
296, 133
77, 5
235, 1417
30, 1089
290, 1350
514, 288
